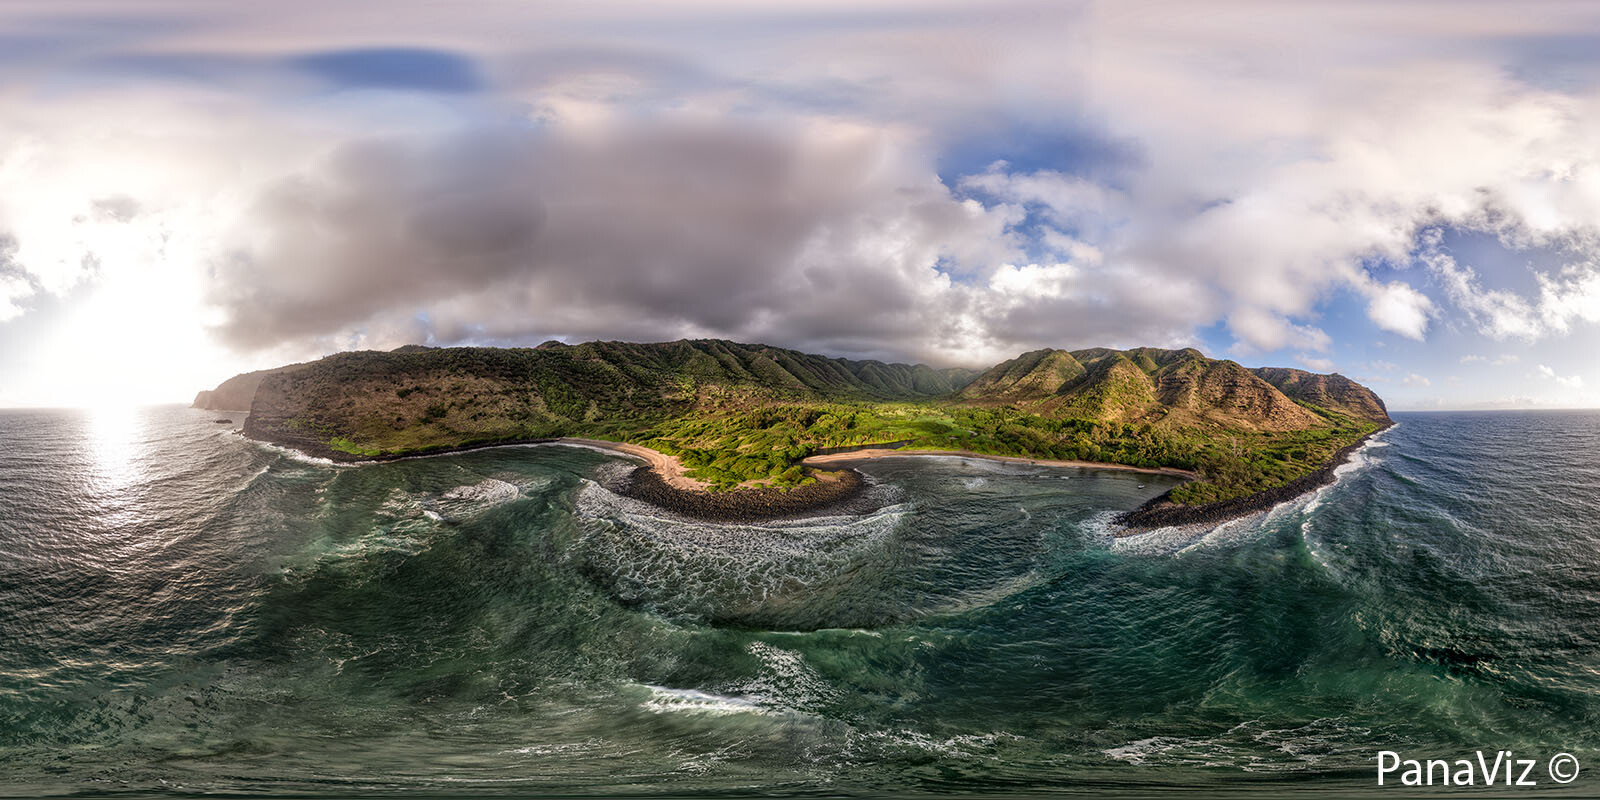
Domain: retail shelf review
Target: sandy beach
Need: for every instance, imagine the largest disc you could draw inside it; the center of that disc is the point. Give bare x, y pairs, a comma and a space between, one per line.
855, 455
668, 468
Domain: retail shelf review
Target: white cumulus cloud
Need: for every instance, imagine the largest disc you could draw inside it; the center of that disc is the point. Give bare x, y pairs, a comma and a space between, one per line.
1398, 308
1568, 381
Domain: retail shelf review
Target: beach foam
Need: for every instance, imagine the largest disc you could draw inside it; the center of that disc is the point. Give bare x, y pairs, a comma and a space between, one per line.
684, 567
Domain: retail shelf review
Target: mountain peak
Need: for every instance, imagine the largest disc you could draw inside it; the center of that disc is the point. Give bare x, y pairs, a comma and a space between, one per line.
1173, 387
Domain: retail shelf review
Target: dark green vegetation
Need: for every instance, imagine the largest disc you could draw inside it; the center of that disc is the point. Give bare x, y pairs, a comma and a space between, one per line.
738, 414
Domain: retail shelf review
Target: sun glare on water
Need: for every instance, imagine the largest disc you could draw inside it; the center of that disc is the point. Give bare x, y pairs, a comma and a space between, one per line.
114, 432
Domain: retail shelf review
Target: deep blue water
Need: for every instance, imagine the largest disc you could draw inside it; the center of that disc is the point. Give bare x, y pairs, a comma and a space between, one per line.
184, 611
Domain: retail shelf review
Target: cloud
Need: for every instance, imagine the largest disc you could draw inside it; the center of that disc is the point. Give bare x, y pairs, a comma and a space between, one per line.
15, 287
1318, 364
1571, 296
1398, 308
1499, 314
829, 237
1258, 329
1414, 379
1568, 381
1498, 361
1067, 202
945, 183
13, 290
1568, 296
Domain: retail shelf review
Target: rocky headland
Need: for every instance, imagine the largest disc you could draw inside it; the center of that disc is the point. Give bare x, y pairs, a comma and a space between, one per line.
1161, 512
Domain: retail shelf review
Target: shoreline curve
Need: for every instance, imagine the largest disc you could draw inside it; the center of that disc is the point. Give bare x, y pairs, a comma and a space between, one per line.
663, 481
1161, 512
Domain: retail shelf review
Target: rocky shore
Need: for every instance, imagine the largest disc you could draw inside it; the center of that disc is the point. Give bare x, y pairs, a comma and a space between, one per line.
1161, 512
833, 491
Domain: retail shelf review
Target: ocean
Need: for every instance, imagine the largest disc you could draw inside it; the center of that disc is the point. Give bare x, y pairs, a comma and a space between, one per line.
185, 611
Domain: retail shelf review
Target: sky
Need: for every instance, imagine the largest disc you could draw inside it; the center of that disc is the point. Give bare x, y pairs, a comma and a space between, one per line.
1405, 192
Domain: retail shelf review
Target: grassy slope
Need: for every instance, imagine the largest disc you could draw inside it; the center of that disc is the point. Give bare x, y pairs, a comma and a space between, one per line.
745, 414
733, 446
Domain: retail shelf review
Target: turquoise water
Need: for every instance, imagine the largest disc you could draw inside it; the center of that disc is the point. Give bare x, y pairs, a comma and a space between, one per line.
184, 611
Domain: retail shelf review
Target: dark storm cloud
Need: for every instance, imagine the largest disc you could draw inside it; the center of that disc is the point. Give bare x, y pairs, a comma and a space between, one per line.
381, 222
645, 232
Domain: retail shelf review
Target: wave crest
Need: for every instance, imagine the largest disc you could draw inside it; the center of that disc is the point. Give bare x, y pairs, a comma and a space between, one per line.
680, 567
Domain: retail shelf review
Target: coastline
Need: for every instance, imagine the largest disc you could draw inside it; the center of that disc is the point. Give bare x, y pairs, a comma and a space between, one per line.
662, 481
1160, 512
667, 469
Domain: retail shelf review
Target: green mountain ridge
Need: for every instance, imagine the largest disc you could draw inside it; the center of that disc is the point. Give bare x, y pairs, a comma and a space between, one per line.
1172, 387
1333, 391
746, 414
